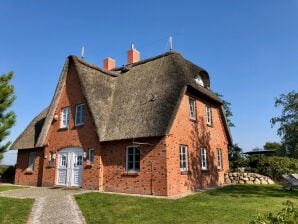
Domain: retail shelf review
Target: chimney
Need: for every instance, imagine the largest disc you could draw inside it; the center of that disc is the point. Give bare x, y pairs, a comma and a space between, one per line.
109, 63
133, 55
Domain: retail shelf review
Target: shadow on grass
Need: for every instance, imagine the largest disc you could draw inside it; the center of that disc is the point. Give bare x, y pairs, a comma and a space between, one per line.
242, 190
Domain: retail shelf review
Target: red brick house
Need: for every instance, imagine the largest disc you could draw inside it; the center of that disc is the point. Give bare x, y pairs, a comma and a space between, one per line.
149, 127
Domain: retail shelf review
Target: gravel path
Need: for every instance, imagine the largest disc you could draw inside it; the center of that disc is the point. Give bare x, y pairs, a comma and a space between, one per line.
52, 205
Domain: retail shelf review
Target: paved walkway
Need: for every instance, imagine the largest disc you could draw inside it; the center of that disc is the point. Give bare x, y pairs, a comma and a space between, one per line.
52, 205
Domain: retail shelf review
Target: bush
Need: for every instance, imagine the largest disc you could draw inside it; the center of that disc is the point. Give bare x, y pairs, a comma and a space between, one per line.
288, 215
273, 166
7, 174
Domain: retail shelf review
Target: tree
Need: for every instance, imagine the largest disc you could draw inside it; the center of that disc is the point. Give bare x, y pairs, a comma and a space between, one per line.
7, 118
227, 109
277, 147
235, 152
288, 122
272, 146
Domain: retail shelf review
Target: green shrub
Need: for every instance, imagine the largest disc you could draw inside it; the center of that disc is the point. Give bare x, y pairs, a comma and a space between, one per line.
7, 174
273, 166
288, 215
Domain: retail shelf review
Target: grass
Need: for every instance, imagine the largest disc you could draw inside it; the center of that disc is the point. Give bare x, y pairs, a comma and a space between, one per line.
14, 210
231, 204
9, 187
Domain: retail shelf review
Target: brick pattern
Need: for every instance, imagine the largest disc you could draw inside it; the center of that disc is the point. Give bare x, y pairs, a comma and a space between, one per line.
196, 134
23, 175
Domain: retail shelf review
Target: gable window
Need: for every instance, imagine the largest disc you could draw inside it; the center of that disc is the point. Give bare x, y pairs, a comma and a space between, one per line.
192, 108
208, 115
219, 159
133, 158
203, 159
65, 117
32, 156
80, 110
183, 158
91, 156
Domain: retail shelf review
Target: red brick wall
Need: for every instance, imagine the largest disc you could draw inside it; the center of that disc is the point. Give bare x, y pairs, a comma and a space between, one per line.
152, 176
22, 176
195, 134
83, 136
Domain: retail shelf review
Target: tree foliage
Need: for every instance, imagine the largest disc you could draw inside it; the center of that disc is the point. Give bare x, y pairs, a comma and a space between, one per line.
288, 122
227, 109
7, 118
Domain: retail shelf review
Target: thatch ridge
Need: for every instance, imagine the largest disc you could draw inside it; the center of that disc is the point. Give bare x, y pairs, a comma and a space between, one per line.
93, 66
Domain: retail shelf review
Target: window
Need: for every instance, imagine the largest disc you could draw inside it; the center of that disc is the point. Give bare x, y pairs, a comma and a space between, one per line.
208, 114
65, 117
80, 114
192, 108
199, 80
32, 156
203, 159
51, 158
218, 154
91, 156
63, 161
183, 158
79, 160
133, 158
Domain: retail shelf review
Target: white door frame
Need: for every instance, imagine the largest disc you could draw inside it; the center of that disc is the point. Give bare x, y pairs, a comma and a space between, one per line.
70, 167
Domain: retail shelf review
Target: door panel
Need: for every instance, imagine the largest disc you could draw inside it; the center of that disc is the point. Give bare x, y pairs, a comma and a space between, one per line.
70, 167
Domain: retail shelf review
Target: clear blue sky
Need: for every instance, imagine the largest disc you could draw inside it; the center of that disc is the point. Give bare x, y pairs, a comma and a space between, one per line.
249, 48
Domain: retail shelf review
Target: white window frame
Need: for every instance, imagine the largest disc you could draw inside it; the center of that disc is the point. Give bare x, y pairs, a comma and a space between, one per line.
135, 163
183, 157
80, 114
208, 115
192, 108
32, 156
203, 153
65, 112
91, 156
219, 158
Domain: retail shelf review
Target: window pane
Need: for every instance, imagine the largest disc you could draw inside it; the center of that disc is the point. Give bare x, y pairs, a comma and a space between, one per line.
192, 108
183, 158
79, 114
133, 158
91, 155
32, 156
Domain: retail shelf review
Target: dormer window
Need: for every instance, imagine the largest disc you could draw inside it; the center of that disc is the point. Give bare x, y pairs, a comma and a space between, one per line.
199, 80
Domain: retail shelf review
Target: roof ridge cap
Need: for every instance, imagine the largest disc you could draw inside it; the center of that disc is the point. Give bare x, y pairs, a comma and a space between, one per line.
147, 60
94, 66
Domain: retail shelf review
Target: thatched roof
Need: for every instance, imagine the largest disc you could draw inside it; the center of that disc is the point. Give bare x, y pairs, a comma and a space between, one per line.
28, 138
133, 101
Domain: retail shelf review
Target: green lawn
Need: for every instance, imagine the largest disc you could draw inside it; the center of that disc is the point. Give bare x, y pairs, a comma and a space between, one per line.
14, 210
231, 204
9, 187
